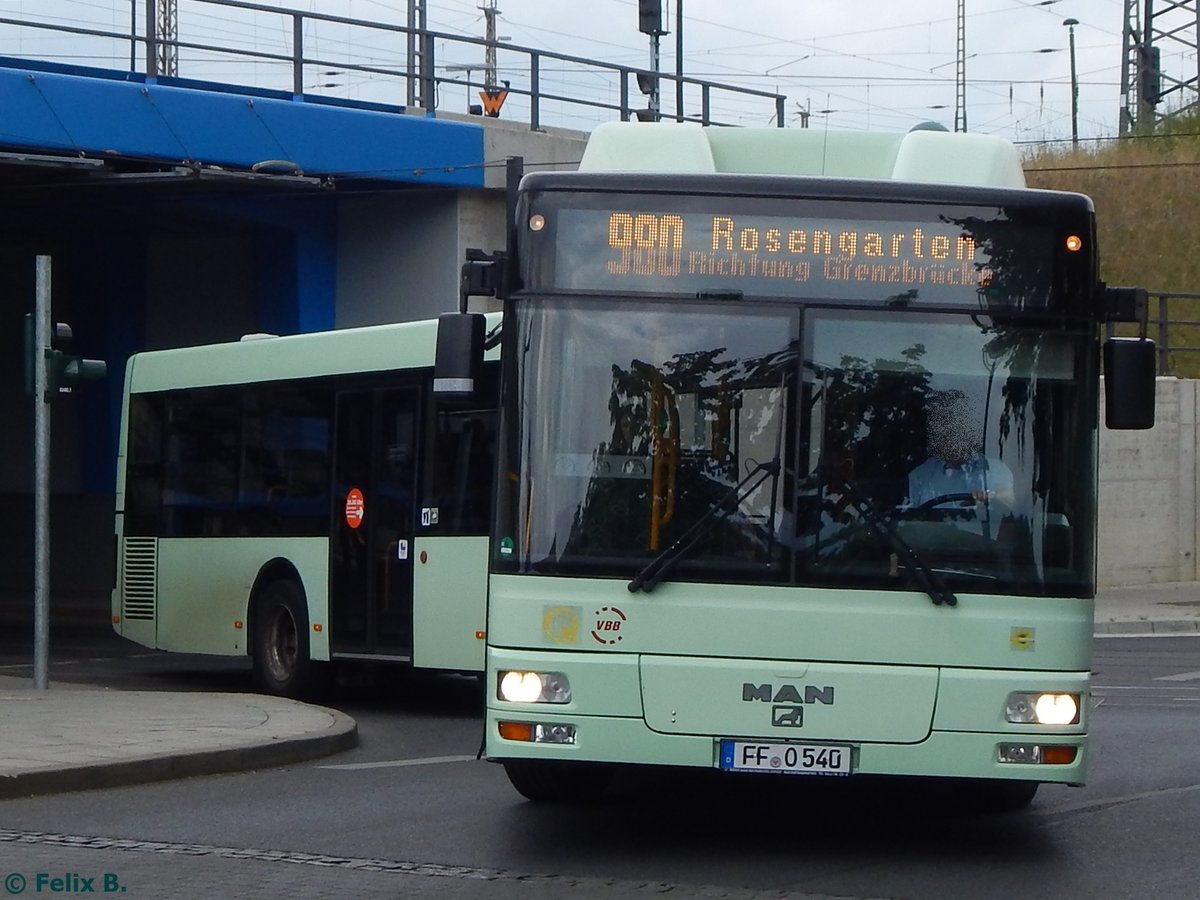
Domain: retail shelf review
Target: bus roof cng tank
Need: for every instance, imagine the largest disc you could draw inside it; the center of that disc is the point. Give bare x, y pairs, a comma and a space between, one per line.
921, 155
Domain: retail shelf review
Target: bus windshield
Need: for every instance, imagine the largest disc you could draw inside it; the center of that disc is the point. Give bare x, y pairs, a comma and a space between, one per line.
769, 443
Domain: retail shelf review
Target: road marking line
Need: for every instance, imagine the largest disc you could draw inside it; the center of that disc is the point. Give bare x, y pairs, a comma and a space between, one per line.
398, 763
1149, 688
1138, 634
73, 662
1182, 676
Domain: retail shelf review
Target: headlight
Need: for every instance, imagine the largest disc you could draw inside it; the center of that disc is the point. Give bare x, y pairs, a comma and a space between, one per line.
1029, 708
533, 687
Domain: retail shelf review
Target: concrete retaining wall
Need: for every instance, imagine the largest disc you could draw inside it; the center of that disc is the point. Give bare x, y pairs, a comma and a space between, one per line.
1148, 489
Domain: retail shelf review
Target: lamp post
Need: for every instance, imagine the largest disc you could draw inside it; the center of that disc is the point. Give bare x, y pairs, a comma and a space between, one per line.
1071, 23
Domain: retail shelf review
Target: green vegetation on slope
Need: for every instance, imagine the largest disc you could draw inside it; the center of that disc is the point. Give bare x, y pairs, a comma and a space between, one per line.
1147, 194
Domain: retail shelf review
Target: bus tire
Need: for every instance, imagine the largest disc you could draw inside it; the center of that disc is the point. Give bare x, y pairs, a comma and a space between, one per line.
282, 664
553, 781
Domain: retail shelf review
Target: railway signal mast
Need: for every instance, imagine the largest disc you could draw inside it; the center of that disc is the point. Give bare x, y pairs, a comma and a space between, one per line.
1150, 34
960, 70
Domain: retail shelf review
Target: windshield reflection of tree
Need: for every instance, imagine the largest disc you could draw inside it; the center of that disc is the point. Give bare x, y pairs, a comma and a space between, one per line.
1044, 412
875, 425
1014, 259
1019, 268
680, 443
869, 422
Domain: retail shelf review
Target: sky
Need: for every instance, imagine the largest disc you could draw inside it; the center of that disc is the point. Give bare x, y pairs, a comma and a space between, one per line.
879, 65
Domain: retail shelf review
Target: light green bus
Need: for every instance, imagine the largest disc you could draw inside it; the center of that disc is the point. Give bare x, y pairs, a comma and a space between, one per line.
798, 462
304, 499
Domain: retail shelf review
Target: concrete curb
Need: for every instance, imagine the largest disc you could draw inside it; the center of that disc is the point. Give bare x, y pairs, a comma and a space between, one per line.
341, 735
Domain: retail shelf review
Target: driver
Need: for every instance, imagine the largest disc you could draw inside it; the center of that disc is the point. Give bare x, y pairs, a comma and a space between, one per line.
956, 466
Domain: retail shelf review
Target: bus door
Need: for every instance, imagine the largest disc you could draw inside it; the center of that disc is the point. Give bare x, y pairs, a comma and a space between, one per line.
370, 566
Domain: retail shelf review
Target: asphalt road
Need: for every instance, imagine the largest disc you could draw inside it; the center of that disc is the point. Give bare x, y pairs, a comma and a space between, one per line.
410, 812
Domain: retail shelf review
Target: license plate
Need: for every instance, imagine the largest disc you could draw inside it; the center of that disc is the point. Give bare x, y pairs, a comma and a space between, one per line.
784, 758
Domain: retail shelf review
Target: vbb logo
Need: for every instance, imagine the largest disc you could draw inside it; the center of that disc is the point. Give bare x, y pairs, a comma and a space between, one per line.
607, 630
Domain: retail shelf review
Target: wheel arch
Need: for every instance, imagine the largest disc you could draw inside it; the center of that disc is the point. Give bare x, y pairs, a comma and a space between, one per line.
278, 569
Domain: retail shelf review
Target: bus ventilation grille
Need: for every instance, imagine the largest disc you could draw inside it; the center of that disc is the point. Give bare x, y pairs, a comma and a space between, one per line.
139, 574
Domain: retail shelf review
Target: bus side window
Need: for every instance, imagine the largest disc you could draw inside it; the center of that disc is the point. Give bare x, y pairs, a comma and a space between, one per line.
202, 461
144, 473
305, 474
291, 486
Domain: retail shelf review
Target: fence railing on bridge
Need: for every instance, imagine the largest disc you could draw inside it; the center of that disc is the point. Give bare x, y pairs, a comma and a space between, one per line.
316, 54
1175, 326
1173, 323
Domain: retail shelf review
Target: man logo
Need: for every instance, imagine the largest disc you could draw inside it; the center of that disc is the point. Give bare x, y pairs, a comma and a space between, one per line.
787, 716
787, 693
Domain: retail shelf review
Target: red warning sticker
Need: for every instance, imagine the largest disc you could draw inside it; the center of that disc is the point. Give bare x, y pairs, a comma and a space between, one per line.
354, 508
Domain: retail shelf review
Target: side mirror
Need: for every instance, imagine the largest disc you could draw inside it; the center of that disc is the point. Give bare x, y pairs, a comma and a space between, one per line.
1129, 373
459, 354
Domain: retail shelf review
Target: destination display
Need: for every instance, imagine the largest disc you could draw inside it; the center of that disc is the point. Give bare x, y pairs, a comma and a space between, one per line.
947, 262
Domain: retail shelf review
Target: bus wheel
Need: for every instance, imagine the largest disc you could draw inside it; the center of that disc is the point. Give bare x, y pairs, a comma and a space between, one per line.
551, 781
281, 662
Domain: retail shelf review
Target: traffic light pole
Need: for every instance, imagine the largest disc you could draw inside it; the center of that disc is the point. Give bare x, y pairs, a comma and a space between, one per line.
41, 479
655, 62
650, 23
50, 371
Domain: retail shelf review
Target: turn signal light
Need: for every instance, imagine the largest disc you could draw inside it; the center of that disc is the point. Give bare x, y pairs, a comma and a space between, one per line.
516, 731
1059, 756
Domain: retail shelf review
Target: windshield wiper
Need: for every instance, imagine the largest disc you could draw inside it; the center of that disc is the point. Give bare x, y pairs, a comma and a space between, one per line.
926, 578
657, 568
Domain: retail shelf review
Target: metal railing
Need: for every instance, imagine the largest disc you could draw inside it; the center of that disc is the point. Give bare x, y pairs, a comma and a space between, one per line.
1173, 323
1177, 339
417, 53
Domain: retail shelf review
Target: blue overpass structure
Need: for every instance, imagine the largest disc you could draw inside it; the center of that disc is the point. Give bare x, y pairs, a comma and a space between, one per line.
129, 115
86, 128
